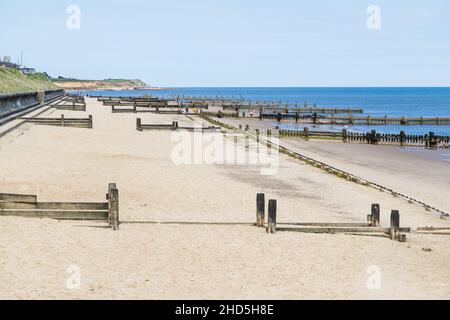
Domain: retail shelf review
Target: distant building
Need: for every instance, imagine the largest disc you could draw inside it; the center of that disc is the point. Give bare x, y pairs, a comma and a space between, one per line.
8, 64
28, 70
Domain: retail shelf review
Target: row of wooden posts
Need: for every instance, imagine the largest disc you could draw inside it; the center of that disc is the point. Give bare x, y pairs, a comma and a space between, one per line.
394, 231
429, 140
62, 122
27, 206
275, 106
152, 103
116, 109
173, 126
312, 114
354, 120
68, 102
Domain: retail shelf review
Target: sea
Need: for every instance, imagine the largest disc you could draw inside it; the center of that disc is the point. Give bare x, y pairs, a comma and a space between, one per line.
393, 102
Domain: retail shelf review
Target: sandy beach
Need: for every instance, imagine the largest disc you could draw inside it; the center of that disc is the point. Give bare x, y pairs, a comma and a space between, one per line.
171, 261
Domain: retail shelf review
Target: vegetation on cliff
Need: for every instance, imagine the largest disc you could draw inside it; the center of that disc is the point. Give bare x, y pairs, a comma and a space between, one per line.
12, 81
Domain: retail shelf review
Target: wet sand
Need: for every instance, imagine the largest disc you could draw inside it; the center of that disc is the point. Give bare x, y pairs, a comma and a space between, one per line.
416, 172
159, 261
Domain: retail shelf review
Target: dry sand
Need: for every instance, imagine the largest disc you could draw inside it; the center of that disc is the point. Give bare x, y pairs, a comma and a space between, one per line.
196, 261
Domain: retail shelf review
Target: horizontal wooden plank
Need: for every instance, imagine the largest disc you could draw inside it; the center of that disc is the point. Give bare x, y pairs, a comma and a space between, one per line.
198, 129
58, 214
156, 127
73, 205
326, 224
73, 125
59, 120
23, 198
55, 205
340, 229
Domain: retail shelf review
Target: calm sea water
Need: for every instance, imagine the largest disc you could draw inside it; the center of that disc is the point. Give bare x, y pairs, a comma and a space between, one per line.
408, 102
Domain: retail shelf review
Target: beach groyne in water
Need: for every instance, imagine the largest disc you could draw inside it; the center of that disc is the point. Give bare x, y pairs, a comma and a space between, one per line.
356, 120
11, 104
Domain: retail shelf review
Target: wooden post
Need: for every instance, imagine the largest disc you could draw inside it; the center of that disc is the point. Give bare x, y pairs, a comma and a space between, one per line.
90, 122
260, 209
402, 138
111, 186
175, 125
375, 215
306, 133
138, 124
114, 209
395, 225
134, 106
62, 120
344, 135
272, 220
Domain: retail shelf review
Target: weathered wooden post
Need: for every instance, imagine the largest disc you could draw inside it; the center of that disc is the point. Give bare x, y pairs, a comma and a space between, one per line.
272, 219
374, 217
432, 141
402, 138
174, 125
111, 186
62, 120
138, 124
247, 127
395, 225
91, 125
134, 106
344, 135
373, 135
114, 209
260, 209
306, 133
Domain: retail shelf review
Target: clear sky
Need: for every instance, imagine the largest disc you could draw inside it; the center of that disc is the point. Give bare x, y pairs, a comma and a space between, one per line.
234, 42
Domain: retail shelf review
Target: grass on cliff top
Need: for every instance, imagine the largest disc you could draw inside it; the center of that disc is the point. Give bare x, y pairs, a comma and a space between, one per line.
13, 81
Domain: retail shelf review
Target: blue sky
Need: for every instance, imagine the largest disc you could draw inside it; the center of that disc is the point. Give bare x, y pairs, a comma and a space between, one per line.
234, 42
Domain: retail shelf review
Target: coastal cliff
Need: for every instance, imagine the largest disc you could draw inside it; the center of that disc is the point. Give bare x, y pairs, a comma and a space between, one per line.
107, 84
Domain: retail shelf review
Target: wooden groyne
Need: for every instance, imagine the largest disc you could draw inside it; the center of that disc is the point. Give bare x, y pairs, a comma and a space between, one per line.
173, 126
355, 120
429, 140
155, 104
27, 206
72, 103
293, 111
62, 122
273, 225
